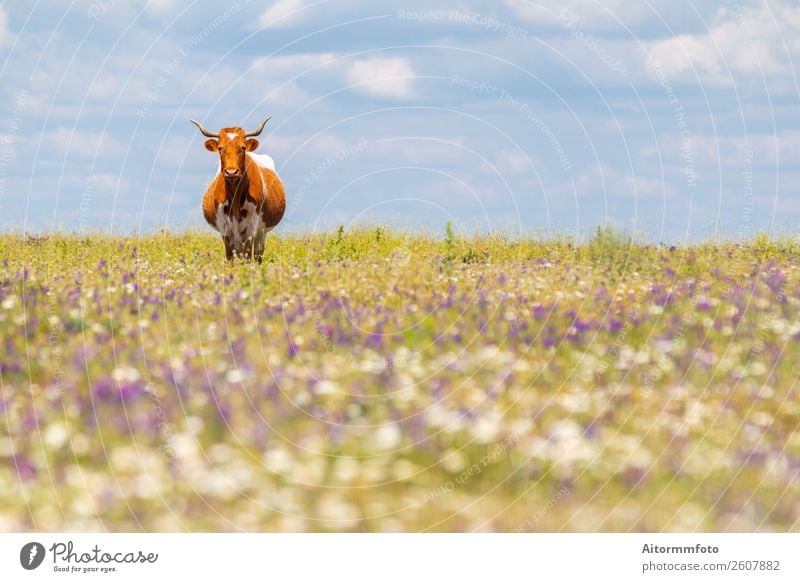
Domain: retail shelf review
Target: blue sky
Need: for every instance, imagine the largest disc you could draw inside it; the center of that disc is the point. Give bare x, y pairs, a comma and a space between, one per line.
673, 118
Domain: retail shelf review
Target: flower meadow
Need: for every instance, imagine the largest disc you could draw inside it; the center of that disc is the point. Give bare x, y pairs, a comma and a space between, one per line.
372, 380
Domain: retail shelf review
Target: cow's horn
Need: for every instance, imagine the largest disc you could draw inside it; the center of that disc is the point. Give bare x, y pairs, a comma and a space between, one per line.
203, 130
259, 130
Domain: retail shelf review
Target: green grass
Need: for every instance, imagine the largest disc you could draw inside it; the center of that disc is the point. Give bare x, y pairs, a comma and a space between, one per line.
376, 380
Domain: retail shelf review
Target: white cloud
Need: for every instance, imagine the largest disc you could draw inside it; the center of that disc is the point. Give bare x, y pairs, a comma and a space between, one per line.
662, 16
160, 7
326, 144
175, 151
105, 87
383, 77
611, 183
85, 144
781, 147
439, 152
286, 95
5, 34
737, 49
282, 13
513, 163
228, 88
106, 182
322, 146
685, 52
295, 65
595, 15
283, 77
222, 81
279, 77
321, 13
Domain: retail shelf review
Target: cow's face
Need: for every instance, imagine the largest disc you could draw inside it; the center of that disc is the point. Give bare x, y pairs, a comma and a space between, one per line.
232, 147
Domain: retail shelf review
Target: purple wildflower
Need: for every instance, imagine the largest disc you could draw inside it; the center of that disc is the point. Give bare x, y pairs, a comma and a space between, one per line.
25, 467
581, 325
704, 304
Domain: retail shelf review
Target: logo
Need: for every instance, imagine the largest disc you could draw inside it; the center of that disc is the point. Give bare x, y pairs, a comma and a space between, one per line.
31, 555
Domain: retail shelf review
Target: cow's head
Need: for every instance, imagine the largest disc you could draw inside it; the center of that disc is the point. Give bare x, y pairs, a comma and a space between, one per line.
232, 143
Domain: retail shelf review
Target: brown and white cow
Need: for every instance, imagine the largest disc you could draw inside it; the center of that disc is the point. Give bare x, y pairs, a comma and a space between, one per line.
246, 199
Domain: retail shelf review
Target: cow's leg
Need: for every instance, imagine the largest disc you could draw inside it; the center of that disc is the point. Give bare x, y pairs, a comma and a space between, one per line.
248, 250
258, 245
228, 248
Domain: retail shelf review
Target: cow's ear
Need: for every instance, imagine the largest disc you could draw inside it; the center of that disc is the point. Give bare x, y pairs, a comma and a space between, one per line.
251, 144
212, 145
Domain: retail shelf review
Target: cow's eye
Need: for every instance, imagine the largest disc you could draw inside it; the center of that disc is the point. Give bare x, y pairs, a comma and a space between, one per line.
242, 148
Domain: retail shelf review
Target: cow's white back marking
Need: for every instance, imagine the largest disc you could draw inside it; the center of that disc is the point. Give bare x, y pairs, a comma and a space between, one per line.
262, 160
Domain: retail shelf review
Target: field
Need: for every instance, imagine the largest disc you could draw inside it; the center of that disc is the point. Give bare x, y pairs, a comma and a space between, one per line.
381, 381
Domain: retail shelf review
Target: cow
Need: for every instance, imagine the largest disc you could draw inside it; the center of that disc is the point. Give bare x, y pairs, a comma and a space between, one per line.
246, 199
